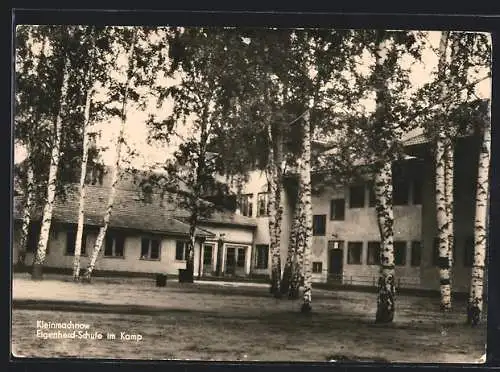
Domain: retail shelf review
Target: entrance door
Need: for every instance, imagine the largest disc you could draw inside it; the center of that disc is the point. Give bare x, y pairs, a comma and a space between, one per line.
240, 261
230, 260
207, 258
335, 261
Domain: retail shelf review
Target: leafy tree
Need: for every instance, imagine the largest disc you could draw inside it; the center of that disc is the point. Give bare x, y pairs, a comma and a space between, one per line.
202, 59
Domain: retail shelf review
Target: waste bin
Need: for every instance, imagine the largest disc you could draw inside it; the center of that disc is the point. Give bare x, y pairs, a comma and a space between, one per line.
185, 277
161, 280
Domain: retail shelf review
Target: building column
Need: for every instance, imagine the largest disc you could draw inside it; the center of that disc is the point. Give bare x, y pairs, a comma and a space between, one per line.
202, 255
223, 260
248, 259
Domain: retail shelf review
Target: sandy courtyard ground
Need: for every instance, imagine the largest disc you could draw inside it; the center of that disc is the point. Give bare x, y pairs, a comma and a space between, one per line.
210, 321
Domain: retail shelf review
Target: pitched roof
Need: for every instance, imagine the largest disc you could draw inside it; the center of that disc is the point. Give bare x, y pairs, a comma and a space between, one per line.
129, 211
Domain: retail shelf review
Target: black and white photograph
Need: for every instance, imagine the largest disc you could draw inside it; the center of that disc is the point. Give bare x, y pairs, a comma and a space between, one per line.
243, 194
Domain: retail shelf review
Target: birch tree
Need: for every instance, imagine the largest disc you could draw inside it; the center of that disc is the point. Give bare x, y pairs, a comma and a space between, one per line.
461, 56
119, 142
83, 169
29, 67
306, 210
52, 179
475, 304
443, 199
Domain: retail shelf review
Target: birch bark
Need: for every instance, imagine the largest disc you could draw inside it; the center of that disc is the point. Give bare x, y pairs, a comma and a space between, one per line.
116, 171
83, 173
306, 209
475, 306
442, 200
385, 219
41, 251
26, 216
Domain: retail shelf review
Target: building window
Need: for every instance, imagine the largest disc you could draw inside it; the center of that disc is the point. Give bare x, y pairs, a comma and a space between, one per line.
416, 253
319, 224
400, 192
262, 256
399, 253
354, 250
373, 253
180, 250
417, 191
371, 194
317, 267
150, 249
246, 205
114, 245
357, 196
337, 209
262, 204
71, 242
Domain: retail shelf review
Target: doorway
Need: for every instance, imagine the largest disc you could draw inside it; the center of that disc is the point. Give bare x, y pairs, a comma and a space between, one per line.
208, 259
335, 261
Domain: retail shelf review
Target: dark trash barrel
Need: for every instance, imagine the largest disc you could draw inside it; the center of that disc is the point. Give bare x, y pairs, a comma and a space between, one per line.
184, 276
161, 280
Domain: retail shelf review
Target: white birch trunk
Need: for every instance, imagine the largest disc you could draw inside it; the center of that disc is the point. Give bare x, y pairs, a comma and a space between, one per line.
298, 257
475, 306
290, 266
385, 219
449, 175
383, 192
27, 207
274, 218
52, 180
83, 173
116, 171
306, 209
442, 210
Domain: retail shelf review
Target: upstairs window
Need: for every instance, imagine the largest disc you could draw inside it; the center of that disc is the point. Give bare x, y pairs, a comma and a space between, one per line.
71, 242
114, 245
262, 199
373, 253
150, 249
417, 191
357, 196
319, 224
400, 192
246, 205
337, 209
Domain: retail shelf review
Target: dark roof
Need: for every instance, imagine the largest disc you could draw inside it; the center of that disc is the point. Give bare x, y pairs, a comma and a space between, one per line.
221, 218
129, 212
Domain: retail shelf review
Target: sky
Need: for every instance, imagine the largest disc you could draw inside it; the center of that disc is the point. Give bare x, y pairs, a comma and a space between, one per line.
136, 131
